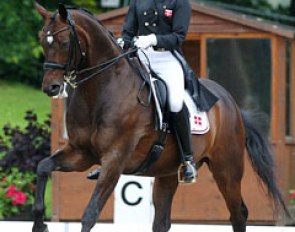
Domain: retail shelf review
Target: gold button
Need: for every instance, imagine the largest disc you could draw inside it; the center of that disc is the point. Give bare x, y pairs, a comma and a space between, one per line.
146, 24
144, 13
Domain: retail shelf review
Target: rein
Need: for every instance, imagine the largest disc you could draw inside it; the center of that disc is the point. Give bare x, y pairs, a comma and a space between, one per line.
71, 79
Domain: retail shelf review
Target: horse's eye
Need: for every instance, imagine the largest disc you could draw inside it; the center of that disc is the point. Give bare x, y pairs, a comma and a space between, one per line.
65, 45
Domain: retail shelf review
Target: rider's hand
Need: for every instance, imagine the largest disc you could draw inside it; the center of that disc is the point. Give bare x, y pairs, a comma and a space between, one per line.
145, 41
120, 42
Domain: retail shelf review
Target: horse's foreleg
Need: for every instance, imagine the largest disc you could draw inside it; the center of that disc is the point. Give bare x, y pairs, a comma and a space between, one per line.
45, 167
38, 208
63, 160
164, 190
108, 178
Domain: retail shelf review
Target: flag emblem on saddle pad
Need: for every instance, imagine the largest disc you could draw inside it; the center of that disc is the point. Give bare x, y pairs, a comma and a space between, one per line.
168, 13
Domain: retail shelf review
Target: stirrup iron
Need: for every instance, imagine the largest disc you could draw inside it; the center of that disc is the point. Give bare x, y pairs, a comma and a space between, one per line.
181, 178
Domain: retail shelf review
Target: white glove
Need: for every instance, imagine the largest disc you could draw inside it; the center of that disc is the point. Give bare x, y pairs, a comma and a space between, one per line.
120, 42
146, 41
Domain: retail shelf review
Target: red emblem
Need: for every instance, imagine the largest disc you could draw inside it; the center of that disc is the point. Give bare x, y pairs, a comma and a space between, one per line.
168, 13
198, 120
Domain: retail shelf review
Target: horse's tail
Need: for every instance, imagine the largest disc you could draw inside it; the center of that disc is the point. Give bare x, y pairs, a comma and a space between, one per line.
261, 155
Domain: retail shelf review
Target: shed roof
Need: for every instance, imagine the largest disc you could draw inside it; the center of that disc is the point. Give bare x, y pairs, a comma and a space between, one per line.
114, 20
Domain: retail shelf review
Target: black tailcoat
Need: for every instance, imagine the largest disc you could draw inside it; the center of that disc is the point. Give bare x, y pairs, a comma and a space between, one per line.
167, 19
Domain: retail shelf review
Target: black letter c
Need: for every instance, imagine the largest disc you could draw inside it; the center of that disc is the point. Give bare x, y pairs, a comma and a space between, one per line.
123, 195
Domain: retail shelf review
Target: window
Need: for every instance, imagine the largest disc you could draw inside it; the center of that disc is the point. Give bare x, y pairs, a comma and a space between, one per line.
243, 67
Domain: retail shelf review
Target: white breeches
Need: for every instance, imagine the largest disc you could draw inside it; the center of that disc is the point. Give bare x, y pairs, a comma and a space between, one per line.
169, 69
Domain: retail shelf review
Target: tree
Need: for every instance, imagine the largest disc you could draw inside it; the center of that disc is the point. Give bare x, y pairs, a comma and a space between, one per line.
292, 8
263, 8
18, 39
258, 4
21, 54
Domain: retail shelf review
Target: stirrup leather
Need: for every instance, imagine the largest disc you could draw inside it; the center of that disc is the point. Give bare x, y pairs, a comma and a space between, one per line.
181, 179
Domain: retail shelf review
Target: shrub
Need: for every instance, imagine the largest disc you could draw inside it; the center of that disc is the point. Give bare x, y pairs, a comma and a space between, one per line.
20, 152
292, 196
25, 148
16, 191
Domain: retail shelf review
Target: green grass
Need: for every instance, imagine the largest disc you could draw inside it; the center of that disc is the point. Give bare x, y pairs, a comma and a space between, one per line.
16, 99
48, 200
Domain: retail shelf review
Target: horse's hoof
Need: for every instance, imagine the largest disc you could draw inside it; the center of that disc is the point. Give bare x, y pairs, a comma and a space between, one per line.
40, 228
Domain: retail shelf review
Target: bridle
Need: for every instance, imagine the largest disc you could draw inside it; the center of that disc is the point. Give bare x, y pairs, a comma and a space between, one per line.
71, 68
69, 72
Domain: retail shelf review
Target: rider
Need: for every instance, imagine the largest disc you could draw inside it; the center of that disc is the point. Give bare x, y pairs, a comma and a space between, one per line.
160, 26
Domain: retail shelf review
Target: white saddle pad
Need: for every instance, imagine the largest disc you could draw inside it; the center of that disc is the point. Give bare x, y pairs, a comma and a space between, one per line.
199, 120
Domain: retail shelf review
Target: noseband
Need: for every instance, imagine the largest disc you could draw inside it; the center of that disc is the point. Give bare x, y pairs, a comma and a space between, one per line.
70, 73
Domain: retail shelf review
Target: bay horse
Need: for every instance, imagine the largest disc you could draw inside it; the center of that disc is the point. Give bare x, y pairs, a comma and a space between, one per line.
106, 125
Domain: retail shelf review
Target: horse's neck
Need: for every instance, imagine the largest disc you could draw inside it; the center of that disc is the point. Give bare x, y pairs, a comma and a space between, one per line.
106, 97
111, 88
105, 91
100, 46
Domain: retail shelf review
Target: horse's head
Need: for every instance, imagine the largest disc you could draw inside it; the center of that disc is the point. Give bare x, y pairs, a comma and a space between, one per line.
77, 47
62, 49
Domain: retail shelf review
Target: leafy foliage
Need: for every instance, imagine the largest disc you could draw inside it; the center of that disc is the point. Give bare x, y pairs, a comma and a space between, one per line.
257, 4
90, 5
16, 191
24, 149
21, 55
292, 196
20, 51
263, 7
24, 20
20, 152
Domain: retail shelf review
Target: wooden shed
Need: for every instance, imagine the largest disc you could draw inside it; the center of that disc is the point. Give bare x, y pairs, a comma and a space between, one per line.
251, 58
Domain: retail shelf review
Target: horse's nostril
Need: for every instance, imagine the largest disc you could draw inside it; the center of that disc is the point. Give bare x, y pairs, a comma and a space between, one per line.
52, 90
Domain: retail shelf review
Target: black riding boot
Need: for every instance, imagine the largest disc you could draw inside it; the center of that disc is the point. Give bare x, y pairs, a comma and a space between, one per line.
187, 171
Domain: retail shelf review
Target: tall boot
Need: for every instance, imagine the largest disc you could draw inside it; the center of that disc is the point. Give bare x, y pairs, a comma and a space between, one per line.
187, 171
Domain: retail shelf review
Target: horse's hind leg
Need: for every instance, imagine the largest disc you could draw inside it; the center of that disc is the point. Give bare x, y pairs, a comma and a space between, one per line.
228, 175
164, 190
62, 160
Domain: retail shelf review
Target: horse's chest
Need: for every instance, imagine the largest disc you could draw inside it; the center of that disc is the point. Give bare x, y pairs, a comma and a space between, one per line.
103, 138
79, 135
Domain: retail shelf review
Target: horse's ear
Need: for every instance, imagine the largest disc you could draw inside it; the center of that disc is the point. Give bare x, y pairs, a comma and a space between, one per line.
42, 11
62, 11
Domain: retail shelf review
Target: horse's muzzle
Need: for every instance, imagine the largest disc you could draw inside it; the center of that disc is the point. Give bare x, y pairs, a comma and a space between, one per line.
52, 90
